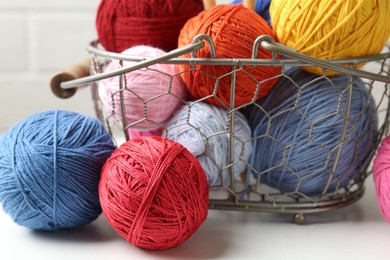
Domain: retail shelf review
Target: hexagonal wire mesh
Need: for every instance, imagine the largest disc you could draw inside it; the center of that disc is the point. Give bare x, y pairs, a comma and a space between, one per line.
251, 187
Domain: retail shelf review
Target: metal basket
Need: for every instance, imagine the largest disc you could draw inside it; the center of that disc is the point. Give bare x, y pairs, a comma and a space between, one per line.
257, 196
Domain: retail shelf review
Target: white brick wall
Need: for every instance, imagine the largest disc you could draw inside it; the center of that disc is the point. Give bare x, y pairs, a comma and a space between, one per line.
37, 39
15, 44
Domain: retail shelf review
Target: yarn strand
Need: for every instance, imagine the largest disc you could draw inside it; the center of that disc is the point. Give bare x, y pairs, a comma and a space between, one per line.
332, 29
124, 24
233, 29
50, 165
158, 173
55, 168
153, 192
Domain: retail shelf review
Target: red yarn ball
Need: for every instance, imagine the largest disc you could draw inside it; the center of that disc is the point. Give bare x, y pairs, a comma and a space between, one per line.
233, 29
154, 192
157, 23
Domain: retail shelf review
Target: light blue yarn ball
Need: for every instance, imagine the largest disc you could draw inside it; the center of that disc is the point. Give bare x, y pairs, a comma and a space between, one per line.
261, 8
297, 130
204, 130
50, 167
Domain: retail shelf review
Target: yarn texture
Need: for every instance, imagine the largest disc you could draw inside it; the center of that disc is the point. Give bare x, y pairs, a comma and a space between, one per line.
261, 8
332, 29
123, 24
298, 132
50, 167
135, 133
150, 95
154, 192
233, 29
381, 175
202, 129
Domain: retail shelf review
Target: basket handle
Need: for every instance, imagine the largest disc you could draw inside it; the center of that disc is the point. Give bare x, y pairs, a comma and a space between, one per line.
250, 4
75, 71
269, 44
65, 84
208, 3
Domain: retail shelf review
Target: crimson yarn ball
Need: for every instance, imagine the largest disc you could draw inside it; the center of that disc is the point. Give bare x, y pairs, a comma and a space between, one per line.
154, 192
157, 23
233, 29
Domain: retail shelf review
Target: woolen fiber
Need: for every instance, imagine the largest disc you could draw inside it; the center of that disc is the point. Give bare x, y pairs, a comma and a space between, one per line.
261, 8
123, 24
50, 167
202, 129
332, 29
233, 29
154, 192
149, 95
298, 131
135, 133
381, 175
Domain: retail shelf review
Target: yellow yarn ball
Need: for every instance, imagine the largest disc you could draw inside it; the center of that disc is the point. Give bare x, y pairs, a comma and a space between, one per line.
332, 29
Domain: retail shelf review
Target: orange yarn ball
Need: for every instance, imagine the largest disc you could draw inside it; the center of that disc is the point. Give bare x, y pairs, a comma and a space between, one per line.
233, 29
154, 192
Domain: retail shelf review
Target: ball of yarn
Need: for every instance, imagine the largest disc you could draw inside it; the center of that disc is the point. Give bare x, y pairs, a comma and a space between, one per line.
50, 167
299, 130
123, 24
203, 129
154, 192
331, 29
135, 133
233, 29
261, 8
149, 96
381, 175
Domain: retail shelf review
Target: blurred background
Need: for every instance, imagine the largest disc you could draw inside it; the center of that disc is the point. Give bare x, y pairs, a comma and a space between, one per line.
38, 39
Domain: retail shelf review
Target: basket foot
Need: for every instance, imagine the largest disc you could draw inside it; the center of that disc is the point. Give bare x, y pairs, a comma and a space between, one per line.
299, 218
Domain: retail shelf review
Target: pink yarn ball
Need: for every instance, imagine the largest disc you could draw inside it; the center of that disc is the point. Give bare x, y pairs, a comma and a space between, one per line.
135, 133
381, 173
150, 95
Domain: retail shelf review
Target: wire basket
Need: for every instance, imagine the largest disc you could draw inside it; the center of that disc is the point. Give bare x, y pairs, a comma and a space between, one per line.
247, 192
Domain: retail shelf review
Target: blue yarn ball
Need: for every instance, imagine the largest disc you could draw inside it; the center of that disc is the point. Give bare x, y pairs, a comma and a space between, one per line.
50, 167
261, 8
297, 131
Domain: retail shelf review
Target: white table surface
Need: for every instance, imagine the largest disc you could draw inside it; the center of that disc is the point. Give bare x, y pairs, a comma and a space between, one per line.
354, 232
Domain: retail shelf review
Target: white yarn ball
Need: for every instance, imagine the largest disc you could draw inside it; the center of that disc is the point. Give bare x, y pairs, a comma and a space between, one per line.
203, 129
